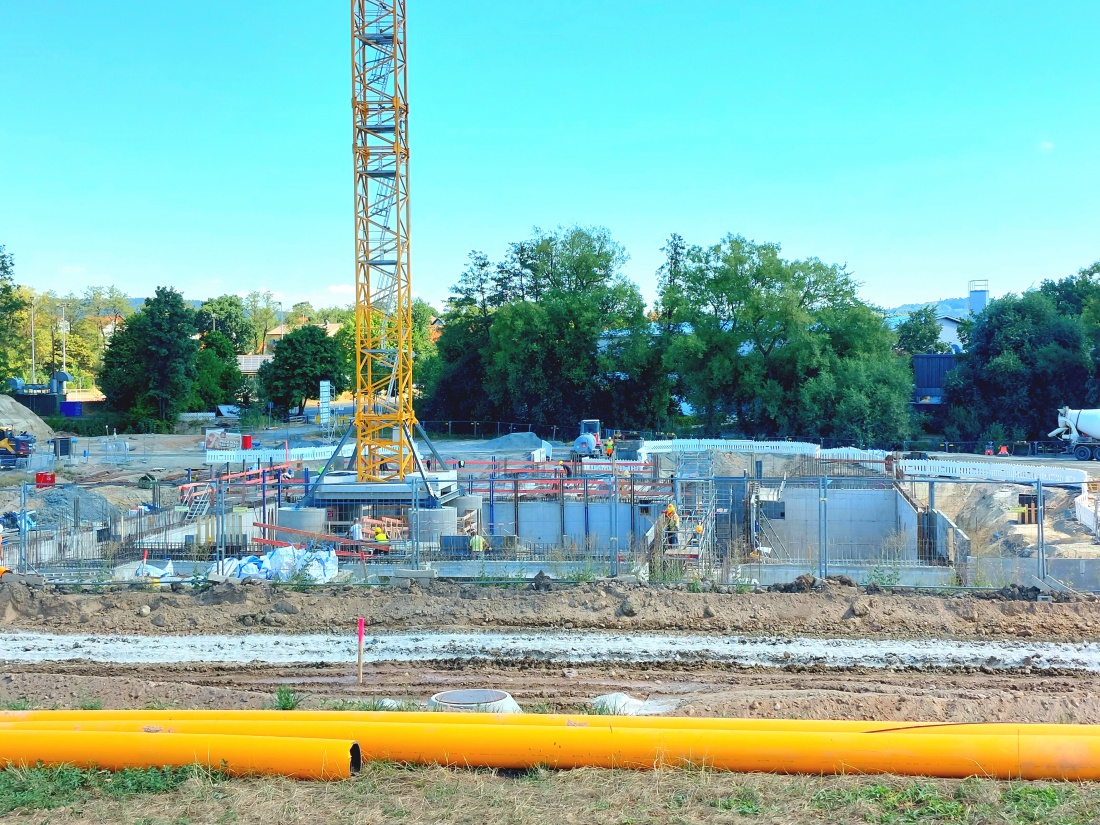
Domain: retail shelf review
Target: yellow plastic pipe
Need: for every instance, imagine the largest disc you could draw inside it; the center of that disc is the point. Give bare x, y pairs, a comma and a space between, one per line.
364, 730
557, 720
515, 746
358, 728
1015, 755
301, 758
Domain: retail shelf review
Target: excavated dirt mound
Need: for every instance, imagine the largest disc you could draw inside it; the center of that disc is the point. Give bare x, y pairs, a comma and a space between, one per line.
14, 414
836, 610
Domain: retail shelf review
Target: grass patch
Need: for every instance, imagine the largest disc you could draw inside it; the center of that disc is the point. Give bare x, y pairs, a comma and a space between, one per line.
386, 792
286, 698
19, 704
743, 801
916, 802
43, 788
86, 703
372, 705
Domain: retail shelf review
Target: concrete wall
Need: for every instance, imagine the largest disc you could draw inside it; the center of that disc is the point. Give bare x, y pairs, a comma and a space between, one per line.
540, 522
861, 524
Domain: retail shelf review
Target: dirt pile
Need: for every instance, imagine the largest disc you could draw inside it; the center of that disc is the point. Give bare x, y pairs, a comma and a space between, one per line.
834, 610
13, 414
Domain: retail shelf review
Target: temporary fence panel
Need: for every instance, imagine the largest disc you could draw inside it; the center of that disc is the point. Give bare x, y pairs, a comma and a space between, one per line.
278, 454
702, 445
993, 471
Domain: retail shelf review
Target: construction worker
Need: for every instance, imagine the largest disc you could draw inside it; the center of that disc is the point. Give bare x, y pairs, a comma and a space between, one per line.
673, 519
380, 536
477, 544
566, 470
356, 531
610, 447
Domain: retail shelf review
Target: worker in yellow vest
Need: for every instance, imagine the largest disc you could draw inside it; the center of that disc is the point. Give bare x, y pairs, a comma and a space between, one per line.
477, 544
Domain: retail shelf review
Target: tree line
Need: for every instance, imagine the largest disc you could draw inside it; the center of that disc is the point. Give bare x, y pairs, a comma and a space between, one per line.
168, 356
748, 343
739, 341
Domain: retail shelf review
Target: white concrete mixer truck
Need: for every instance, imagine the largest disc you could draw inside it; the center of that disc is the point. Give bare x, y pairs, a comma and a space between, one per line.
1081, 429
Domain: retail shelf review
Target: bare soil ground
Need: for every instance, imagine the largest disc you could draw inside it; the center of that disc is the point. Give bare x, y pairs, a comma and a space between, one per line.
835, 611
385, 793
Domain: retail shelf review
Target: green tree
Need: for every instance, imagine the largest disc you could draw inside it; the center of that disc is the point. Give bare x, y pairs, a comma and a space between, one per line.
263, 311
12, 304
105, 307
149, 364
301, 313
335, 315
303, 358
766, 344
218, 379
461, 349
920, 332
226, 314
1024, 360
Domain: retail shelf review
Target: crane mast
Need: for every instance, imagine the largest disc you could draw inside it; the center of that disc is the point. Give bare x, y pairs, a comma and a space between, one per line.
384, 417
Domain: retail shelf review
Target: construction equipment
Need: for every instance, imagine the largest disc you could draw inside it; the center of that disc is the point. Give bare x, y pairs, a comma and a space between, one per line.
384, 415
14, 447
588, 443
1081, 430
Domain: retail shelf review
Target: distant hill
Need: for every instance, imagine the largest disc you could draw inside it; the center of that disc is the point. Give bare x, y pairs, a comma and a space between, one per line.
956, 307
137, 303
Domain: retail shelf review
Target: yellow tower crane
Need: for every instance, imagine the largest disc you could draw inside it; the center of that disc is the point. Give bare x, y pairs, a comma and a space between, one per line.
384, 417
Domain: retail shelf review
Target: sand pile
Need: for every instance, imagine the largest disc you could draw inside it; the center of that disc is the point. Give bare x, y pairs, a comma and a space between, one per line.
14, 414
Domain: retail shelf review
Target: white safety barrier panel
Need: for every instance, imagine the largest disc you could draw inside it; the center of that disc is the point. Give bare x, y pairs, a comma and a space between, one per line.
725, 445
993, 471
1086, 514
276, 454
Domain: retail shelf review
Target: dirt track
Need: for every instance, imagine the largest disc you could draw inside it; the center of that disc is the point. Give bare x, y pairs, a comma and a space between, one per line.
835, 611
702, 690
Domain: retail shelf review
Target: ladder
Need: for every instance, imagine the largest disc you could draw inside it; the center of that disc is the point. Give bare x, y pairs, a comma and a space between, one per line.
198, 503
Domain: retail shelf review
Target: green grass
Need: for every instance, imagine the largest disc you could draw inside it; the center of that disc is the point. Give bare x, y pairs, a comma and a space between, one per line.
42, 788
743, 801
287, 698
540, 707
86, 703
371, 705
19, 704
916, 802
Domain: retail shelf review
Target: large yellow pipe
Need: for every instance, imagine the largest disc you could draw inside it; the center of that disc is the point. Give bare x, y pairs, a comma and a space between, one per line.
355, 726
159, 717
515, 746
1019, 755
302, 758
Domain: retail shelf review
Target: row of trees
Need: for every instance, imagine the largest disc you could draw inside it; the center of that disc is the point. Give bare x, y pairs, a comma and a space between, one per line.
748, 342
1025, 356
554, 332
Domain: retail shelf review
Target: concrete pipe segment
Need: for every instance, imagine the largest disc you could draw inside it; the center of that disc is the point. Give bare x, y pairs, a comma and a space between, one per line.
301, 758
306, 744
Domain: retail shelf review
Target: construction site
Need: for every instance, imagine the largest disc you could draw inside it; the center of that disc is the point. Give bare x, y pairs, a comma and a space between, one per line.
294, 602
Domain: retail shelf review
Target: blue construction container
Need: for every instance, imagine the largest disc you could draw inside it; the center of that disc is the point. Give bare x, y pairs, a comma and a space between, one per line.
72, 409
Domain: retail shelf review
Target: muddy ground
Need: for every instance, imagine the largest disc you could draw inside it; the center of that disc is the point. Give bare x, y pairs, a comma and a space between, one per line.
698, 690
835, 611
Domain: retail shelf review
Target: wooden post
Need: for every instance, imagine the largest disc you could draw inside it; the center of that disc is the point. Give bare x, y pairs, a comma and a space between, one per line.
361, 627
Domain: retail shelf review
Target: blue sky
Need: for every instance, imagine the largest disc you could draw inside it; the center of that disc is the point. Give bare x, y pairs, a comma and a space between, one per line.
207, 145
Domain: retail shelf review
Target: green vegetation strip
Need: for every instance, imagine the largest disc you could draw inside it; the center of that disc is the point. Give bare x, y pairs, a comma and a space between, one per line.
386, 792
43, 788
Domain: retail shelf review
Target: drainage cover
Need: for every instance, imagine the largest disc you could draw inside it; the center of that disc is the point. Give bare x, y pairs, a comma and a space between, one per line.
476, 701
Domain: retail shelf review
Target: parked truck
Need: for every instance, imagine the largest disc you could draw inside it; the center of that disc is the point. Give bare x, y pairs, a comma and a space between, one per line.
588, 443
1081, 430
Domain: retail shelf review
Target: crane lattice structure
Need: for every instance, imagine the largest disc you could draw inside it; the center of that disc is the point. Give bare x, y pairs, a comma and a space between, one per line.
384, 416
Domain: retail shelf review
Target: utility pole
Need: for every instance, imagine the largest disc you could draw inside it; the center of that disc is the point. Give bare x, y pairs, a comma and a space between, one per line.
34, 373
